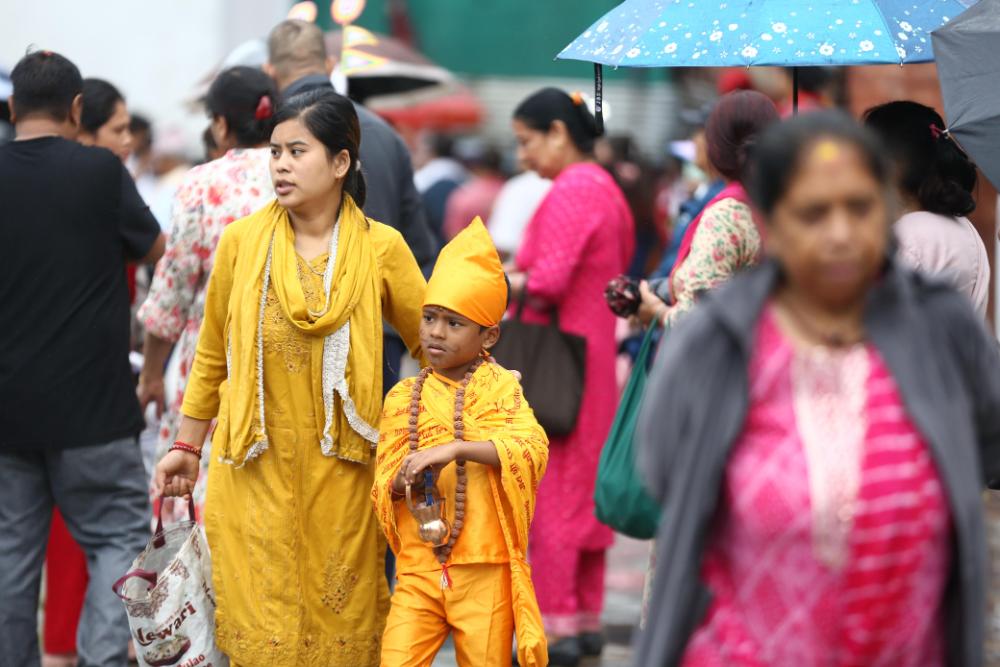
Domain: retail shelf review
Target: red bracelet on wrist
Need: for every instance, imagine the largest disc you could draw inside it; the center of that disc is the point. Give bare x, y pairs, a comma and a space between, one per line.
184, 447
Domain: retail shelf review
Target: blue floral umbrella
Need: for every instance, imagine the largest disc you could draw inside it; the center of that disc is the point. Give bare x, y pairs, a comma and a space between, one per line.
745, 33
726, 33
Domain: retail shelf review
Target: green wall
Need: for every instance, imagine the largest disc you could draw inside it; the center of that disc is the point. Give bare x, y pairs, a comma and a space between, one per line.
500, 37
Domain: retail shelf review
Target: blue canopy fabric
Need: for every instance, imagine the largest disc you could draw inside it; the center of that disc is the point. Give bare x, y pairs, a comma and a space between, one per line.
744, 33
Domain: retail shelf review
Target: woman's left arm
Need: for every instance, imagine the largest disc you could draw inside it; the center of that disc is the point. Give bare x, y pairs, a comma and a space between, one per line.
210, 367
403, 288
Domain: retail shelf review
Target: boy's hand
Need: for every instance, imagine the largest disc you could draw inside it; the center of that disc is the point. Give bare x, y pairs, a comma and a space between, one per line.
434, 458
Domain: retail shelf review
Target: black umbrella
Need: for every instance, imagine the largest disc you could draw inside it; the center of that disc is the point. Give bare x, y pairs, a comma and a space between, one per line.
395, 68
400, 69
969, 70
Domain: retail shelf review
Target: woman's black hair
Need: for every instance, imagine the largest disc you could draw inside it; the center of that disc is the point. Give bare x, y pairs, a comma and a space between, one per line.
330, 118
548, 105
246, 98
931, 167
99, 101
778, 152
732, 128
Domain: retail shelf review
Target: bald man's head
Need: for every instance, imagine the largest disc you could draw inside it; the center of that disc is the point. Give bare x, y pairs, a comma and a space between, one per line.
296, 49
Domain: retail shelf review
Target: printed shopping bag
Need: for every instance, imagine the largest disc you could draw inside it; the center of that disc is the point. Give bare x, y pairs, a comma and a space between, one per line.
169, 599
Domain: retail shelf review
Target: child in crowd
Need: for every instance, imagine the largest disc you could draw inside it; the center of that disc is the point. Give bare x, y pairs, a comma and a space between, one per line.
464, 421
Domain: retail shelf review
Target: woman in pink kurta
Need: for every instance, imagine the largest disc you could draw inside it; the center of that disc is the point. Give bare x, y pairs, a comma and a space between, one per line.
580, 238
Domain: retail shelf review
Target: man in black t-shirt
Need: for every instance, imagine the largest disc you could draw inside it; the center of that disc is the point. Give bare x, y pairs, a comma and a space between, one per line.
70, 219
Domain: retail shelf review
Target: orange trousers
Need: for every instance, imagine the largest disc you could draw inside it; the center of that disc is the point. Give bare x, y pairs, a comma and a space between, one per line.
477, 610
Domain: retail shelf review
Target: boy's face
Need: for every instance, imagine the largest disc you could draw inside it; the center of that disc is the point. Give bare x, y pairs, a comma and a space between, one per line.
452, 342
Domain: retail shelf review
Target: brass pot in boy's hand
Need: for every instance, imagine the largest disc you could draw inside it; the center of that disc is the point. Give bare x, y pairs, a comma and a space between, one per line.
432, 526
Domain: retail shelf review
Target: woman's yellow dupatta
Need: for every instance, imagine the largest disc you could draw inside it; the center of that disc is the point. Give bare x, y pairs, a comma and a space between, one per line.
346, 337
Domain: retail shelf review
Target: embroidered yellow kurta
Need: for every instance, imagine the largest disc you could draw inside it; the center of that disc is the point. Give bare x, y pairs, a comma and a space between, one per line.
297, 552
500, 502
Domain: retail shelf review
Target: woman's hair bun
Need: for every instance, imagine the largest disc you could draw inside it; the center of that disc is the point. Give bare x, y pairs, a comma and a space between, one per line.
548, 105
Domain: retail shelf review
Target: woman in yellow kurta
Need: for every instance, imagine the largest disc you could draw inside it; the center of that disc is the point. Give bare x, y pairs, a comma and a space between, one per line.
481, 589
289, 361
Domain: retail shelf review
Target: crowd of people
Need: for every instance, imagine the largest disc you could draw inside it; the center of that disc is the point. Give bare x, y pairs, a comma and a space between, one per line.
821, 416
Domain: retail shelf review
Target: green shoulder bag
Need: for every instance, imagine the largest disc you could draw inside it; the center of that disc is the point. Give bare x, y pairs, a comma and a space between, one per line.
620, 497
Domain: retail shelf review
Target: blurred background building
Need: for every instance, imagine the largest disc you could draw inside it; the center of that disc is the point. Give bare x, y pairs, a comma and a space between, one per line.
161, 55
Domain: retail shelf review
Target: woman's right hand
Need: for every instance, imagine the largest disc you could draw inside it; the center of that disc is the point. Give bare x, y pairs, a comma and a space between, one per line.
650, 306
150, 389
176, 473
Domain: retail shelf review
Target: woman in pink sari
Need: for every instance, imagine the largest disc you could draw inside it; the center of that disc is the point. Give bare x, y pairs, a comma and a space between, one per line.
580, 237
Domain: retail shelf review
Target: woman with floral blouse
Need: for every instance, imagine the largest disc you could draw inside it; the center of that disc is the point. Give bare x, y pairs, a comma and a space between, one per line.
241, 102
725, 238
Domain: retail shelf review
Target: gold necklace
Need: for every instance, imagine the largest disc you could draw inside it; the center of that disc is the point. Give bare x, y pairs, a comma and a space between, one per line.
327, 274
835, 340
310, 267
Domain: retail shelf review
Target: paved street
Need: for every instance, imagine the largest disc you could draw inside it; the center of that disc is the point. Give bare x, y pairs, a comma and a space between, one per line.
626, 574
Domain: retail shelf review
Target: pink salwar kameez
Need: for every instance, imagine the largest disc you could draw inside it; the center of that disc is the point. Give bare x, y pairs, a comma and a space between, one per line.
580, 238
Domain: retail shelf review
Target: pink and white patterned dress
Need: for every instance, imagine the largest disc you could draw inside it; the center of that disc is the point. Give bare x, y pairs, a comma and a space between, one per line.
211, 196
833, 540
725, 242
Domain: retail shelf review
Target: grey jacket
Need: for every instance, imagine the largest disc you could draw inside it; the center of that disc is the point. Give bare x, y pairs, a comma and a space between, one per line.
947, 369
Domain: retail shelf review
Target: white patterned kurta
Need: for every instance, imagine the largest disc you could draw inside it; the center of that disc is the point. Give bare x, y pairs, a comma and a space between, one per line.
211, 196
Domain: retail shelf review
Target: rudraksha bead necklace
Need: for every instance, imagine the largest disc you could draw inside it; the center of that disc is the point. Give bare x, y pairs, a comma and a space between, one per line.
443, 552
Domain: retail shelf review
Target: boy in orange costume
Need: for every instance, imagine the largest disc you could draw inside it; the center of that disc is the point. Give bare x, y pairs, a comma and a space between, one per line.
465, 420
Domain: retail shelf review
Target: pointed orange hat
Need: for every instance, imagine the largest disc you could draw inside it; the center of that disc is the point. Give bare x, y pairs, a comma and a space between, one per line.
468, 277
